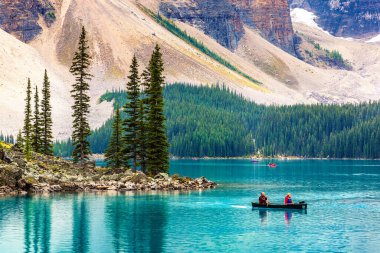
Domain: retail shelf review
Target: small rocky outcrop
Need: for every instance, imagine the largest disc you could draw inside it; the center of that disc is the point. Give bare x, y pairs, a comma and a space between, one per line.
46, 174
20, 17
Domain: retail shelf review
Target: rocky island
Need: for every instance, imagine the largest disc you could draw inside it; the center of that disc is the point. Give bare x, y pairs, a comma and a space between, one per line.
47, 174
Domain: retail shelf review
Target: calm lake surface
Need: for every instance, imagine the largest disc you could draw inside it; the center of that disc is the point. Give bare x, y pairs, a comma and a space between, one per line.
343, 213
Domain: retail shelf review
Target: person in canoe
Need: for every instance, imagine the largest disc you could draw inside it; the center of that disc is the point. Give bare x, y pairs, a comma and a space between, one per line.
288, 199
263, 200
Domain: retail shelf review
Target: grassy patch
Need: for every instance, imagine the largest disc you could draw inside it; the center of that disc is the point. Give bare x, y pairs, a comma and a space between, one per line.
5, 145
333, 57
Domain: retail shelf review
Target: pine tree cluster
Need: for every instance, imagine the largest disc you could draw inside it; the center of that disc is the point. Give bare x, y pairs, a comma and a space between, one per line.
37, 131
143, 138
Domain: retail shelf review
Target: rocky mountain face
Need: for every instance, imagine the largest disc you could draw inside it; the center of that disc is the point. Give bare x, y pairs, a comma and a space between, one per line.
224, 20
345, 18
20, 17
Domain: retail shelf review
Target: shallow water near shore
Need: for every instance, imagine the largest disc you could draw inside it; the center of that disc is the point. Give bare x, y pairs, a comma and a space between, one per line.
343, 213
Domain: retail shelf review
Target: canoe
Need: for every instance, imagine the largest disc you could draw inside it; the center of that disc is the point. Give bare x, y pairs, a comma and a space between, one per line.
299, 206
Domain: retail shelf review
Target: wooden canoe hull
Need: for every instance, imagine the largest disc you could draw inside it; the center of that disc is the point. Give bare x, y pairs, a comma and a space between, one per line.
279, 206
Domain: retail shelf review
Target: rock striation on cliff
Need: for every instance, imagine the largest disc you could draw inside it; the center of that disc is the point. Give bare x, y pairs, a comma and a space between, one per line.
224, 20
345, 18
21, 17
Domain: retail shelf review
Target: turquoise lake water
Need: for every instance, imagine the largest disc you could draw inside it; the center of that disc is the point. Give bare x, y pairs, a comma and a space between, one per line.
343, 213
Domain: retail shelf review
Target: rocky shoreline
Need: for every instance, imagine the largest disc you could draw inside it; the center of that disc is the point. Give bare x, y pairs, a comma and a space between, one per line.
46, 174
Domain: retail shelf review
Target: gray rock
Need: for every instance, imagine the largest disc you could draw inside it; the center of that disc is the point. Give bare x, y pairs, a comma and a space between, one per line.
20, 162
139, 177
4, 156
10, 175
55, 188
162, 176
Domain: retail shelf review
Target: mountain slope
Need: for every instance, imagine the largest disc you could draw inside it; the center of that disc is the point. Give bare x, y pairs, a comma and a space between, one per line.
346, 18
119, 28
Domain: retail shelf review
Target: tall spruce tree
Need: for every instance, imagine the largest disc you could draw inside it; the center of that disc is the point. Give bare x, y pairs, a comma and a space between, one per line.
20, 140
46, 118
28, 122
131, 123
143, 112
114, 154
36, 127
157, 140
81, 107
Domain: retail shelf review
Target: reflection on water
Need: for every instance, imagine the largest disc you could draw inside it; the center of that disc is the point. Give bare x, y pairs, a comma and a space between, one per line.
136, 226
263, 214
37, 224
131, 223
81, 224
288, 216
342, 198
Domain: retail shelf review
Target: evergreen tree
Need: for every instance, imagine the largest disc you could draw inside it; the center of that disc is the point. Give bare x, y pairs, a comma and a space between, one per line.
157, 141
28, 122
142, 136
114, 154
81, 107
131, 123
46, 118
20, 140
36, 128
143, 112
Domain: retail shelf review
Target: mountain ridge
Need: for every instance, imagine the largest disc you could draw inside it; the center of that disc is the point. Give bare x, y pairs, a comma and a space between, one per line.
118, 29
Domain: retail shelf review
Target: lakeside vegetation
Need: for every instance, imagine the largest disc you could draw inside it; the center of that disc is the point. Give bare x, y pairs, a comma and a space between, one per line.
137, 140
216, 122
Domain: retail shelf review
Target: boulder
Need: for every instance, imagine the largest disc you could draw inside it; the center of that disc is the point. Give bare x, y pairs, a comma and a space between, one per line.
5, 157
112, 188
69, 186
130, 186
162, 176
56, 188
90, 165
139, 177
20, 162
5, 190
9, 175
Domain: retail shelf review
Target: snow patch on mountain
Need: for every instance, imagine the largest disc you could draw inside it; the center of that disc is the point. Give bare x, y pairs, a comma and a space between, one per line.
374, 39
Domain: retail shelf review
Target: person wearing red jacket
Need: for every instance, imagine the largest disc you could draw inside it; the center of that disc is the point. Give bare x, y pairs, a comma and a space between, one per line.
288, 199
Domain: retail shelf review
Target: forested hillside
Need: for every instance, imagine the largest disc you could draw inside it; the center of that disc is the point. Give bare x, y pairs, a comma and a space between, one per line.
213, 121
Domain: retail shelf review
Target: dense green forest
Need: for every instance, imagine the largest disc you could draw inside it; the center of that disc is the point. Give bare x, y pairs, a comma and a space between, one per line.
213, 121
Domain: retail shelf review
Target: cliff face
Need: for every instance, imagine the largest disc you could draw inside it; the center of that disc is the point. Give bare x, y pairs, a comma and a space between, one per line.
217, 18
272, 18
224, 19
346, 18
20, 17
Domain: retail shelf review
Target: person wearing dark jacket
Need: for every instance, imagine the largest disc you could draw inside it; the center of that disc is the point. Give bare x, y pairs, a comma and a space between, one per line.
263, 200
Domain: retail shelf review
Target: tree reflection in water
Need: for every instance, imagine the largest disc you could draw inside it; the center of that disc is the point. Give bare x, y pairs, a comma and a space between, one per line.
136, 222
37, 223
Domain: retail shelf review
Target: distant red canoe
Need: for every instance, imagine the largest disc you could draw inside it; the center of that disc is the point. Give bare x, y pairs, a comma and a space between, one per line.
272, 165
